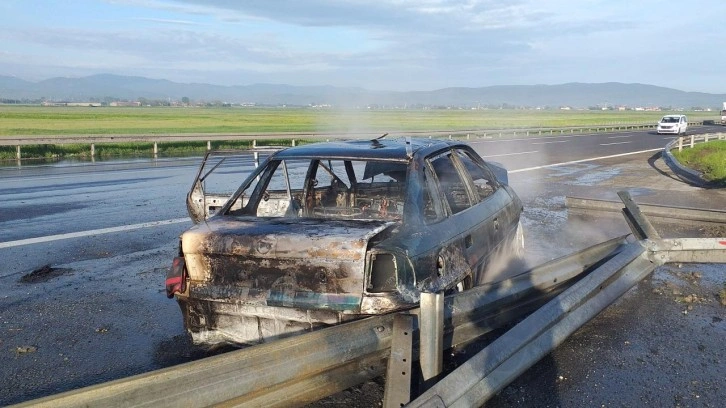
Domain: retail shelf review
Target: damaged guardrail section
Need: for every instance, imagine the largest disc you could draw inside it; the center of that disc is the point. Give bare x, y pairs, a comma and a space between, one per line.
490, 370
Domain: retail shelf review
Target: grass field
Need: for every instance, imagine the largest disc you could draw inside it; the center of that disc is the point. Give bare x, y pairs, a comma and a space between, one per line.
31, 121
708, 158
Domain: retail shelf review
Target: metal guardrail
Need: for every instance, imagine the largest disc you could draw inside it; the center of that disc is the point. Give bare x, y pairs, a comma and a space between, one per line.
93, 139
660, 211
502, 361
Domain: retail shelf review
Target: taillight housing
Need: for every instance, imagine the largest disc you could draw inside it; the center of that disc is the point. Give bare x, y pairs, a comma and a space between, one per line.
382, 272
176, 277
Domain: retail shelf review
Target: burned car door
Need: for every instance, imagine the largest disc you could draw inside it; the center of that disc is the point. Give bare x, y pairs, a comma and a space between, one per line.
457, 253
496, 217
220, 174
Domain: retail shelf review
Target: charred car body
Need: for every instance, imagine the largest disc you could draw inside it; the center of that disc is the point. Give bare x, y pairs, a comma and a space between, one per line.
328, 232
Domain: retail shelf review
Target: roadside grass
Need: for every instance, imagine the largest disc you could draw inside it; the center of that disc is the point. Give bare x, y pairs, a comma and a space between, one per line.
708, 158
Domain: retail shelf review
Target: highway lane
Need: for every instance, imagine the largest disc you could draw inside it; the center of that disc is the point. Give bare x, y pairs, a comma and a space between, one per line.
546, 150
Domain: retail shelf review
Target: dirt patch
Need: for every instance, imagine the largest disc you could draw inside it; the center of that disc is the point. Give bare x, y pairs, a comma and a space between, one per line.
44, 274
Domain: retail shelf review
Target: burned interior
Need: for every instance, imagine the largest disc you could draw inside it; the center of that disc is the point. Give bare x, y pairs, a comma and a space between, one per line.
328, 232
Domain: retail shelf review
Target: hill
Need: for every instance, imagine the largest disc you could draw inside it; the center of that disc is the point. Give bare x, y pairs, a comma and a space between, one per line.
106, 87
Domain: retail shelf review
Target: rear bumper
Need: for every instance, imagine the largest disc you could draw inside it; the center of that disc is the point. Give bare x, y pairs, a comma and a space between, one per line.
212, 323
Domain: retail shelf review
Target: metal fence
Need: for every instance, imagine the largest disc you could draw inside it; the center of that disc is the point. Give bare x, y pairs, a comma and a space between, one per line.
464, 134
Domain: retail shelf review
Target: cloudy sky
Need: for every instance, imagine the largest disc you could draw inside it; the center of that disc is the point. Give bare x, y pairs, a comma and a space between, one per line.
373, 44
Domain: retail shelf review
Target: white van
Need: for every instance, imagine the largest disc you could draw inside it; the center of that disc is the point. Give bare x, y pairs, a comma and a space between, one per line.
674, 124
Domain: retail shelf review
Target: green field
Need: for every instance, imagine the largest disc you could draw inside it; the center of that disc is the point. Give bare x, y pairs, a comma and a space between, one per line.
33, 121
708, 158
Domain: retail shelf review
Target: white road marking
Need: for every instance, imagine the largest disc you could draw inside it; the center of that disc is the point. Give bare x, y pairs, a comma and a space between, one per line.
582, 161
615, 143
557, 141
511, 154
618, 137
80, 234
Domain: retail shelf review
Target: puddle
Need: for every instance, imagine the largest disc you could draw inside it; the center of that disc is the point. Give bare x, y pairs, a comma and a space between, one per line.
549, 211
561, 171
594, 178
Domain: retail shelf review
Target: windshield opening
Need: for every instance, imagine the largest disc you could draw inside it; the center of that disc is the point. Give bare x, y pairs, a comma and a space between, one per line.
327, 189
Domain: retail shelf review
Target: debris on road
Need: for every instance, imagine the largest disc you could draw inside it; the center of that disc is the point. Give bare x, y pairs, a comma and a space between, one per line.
44, 274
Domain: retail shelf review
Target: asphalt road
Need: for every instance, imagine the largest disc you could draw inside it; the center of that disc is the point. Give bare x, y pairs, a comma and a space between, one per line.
110, 230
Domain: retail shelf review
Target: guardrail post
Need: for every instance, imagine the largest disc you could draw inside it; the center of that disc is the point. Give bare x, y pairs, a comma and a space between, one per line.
431, 332
680, 143
209, 145
93, 150
398, 373
515, 133
17, 153
692, 140
156, 149
254, 144
528, 133
705, 137
293, 142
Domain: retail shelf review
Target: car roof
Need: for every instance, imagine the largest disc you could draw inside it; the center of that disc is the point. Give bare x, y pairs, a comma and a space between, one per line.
383, 149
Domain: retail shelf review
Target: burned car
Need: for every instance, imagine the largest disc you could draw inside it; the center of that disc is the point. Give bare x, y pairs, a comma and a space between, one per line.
328, 232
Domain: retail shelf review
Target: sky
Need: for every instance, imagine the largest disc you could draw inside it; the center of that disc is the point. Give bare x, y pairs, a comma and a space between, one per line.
401, 45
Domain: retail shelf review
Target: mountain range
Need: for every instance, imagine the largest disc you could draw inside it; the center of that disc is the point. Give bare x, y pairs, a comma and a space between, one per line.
107, 87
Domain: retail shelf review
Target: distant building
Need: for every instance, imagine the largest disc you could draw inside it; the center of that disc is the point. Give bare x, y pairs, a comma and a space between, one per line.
125, 103
83, 104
